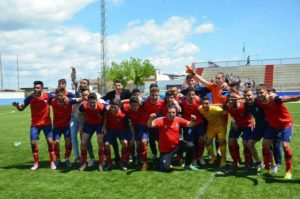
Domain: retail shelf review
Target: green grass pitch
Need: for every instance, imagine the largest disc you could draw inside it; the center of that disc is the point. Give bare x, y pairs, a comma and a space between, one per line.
18, 181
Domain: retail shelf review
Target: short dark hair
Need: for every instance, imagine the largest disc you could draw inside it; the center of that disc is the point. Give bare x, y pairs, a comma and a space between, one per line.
172, 106
190, 90
64, 81
170, 93
118, 81
134, 99
88, 81
38, 82
135, 90
60, 90
205, 98
261, 87
154, 89
153, 85
83, 90
189, 77
271, 90
92, 96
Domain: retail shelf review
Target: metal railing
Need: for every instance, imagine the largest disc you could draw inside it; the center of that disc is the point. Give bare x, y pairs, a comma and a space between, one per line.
254, 62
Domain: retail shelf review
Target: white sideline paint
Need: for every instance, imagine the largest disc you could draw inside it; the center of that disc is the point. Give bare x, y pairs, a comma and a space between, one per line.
8, 112
202, 190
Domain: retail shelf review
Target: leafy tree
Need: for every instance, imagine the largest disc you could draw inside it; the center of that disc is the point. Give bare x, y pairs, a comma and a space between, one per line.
132, 69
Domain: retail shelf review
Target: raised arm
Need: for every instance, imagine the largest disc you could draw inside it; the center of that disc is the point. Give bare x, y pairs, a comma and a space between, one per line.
190, 70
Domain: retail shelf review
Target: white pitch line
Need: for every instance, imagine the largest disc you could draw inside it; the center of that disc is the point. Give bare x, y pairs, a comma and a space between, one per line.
8, 112
203, 189
296, 125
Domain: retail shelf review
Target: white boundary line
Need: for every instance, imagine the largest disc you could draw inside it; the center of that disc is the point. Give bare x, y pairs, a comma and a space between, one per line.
296, 124
203, 189
8, 112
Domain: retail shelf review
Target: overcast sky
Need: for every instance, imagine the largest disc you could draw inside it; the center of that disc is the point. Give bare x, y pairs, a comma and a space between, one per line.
50, 36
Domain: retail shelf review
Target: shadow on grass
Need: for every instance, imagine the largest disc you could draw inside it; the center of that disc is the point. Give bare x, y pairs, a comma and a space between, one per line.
279, 179
42, 165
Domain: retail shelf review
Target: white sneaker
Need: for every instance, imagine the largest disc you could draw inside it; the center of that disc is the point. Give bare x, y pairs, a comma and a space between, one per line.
274, 169
91, 162
202, 161
35, 166
52, 166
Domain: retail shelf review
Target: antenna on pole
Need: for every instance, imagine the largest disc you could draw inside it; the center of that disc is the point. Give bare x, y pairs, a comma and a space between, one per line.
18, 76
1, 72
104, 65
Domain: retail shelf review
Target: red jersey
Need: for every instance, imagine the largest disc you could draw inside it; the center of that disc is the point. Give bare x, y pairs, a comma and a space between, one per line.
241, 117
276, 114
134, 116
216, 93
191, 109
116, 122
148, 108
61, 113
169, 132
93, 117
40, 109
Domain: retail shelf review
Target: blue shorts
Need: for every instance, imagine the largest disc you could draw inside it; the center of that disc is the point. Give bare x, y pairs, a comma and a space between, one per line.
142, 133
121, 135
192, 134
258, 132
285, 134
247, 131
35, 132
91, 128
58, 131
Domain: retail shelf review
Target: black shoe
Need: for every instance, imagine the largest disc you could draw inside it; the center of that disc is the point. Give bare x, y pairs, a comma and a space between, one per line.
107, 167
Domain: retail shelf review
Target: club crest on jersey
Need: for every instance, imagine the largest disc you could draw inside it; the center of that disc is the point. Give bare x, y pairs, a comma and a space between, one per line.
165, 126
46, 101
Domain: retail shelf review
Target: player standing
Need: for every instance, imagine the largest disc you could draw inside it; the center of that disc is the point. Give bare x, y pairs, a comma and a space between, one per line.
40, 120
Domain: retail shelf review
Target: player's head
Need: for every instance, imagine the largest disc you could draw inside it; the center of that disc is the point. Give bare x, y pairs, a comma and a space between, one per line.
38, 86
84, 94
134, 103
171, 114
62, 83
84, 84
92, 101
271, 91
233, 98
175, 90
219, 78
114, 106
153, 85
205, 102
136, 92
60, 94
234, 87
190, 94
118, 85
170, 96
190, 80
249, 96
261, 92
154, 94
